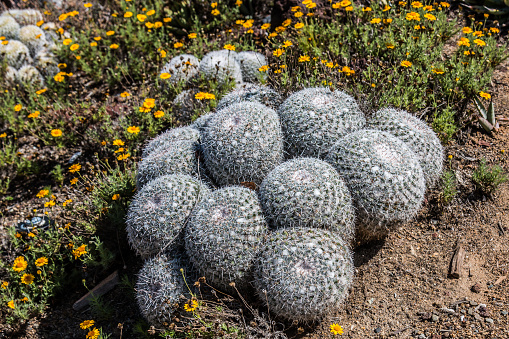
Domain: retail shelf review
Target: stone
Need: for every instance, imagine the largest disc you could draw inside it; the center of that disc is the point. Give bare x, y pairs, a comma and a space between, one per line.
434, 318
378, 330
503, 312
473, 303
489, 320
476, 288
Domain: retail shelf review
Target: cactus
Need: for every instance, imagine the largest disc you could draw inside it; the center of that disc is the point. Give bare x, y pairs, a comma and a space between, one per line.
181, 68
224, 235
250, 62
221, 66
15, 53
418, 136
313, 119
24, 16
33, 37
170, 136
159, 211
9, 78
46, 63
179, 157
161, 287
307, 192
9, 28
384, 178
202, 121
242, 143
303, 274
29, 75
186, 103
251, 92
50, 30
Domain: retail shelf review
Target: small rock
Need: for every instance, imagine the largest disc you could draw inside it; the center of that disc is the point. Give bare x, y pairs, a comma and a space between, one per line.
477, 317
470, 311
489, 320
378, 330
434, 318
473, 303
422, 336
476, 288
503, 312
426, 316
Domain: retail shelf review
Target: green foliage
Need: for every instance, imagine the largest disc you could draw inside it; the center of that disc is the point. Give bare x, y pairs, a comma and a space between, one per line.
102, 310
444, 124
58, 174
449, 190
488, 179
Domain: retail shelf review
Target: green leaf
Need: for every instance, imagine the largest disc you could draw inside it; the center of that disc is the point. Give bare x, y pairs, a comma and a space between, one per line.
491, 113
480, 107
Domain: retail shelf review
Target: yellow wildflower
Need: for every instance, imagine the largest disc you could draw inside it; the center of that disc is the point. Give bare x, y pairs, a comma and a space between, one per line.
406, 63
56, 133
229, 47
93, 334
336, 329
27, 279
133, 130
86, 324
485, 95
75, 168
20, 264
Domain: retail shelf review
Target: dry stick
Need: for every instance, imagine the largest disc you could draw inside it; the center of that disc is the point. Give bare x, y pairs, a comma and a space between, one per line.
457, 261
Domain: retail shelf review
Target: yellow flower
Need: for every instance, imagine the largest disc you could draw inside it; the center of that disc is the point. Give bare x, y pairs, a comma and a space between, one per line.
336, 329
93, 334
149, 103
229, 47
287, 23
278, 52
280, 29
27, 279
93, 44
151, 12
5, 284
133, 130
114, 46
86, 324
74, 181
163, 53
75, 168
213, 5
416, 4
59, 77
65, 203
467, 30
62, 17
464, 42
299, 25
494, 30
125, 94
238, 2
192, 35
485, 95
287, 44
165, 76
304, 58
67, 41
42, 193
272, 35
248, 23
56, 133
50, 203
39, 23
39, 92
128, 14
413, 16
115, 197
31, 235
193, 305
438, 71
74, 47
430, 17
445, 4
144, 109
167, 19
88, 5
118, 142
366, 9
386, 8
18, 107
387, 21
110, 33
11, 304
158, 114
141, 17
347, 70
178, 44
311, 5
375, 20
350, 8
215, 12
406, 63
299, 14
479, 42
345, 3
3, 135
265, 26
79, 251
264, 68
20, 264
149, 25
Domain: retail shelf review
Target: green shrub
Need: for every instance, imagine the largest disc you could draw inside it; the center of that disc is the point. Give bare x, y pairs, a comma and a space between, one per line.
449, 190
488, 179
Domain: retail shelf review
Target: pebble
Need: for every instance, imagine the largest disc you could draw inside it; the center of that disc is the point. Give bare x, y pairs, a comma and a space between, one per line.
470, 311
503, 312
473, 303
434, 318
477, 317
422, 336
476, 288
489, 320
378, 330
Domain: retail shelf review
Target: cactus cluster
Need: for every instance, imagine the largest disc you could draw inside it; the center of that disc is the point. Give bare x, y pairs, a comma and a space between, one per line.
250, 63
28, 49
181, 68
281, 229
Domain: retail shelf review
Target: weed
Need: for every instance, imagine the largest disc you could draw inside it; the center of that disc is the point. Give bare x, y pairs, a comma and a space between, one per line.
101, 309
58, 174
449, 190
488, 179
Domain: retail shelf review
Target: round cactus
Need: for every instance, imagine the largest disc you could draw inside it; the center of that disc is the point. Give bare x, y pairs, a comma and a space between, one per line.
9, 28
303, 274
24, 16
15, 53
182, 67
202, 122
170, 136
161, 285
418, 136
224, 235
10, 77
251, 92
29, 75
384, 177
313, 119
186, 104
250, 62
33, 37
179, 157
308, 192
221, 66
159, 211
46, 63
242, 143
50, 30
